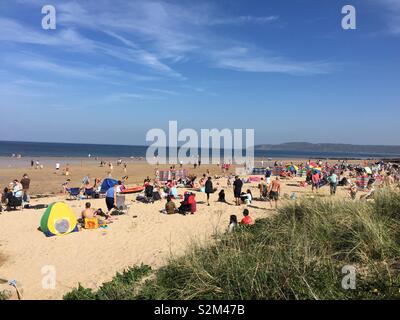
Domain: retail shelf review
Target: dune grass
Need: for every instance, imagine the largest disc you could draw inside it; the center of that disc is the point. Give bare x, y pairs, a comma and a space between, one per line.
297, 254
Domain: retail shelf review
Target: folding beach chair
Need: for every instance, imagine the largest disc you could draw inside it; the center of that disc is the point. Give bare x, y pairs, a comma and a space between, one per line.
89, 193
73, 193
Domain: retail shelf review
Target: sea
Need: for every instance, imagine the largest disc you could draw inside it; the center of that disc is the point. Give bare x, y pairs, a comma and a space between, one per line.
38, 150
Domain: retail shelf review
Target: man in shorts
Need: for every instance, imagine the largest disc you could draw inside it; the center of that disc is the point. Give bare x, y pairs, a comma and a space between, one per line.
274, 191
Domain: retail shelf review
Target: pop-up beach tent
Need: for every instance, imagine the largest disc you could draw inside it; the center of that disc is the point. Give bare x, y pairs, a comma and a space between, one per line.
107, 184
58, 220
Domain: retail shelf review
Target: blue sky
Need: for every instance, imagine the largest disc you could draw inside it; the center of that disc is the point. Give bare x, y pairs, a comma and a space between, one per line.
112, 70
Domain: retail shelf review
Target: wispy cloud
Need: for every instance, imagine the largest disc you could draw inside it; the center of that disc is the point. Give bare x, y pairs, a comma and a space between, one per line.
101, 73
167, 92
128, 96
13, 31
176, 32
241, 20
158, 35
244, 59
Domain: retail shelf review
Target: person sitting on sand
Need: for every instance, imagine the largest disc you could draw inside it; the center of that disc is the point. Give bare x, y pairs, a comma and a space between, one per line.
10, 200
221, 196
246, 197
88, 212
17, 189
233, 223
247, 220
170, 206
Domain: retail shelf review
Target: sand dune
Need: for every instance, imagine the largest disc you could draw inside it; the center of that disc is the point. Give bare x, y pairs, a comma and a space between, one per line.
91, 257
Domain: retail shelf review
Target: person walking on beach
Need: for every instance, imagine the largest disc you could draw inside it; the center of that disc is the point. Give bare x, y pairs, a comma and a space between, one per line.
333, 181
274, 191
32, 163
208, 189
237, 189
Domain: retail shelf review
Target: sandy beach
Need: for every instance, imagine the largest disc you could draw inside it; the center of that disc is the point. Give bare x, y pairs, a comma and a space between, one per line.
91, 257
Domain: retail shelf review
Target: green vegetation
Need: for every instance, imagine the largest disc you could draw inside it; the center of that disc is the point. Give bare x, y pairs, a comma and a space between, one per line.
3, 295
121, 287
297, 254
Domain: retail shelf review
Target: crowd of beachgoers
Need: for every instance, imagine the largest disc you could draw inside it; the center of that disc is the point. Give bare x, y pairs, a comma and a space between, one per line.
165, 185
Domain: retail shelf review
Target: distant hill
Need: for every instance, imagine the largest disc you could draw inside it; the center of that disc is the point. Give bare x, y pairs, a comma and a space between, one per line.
329, 147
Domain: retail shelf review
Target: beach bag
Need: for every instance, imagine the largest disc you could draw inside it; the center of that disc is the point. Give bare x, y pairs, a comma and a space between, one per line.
92, 223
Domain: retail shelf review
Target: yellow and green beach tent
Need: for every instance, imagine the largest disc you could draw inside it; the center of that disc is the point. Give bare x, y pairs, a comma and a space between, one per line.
58, 220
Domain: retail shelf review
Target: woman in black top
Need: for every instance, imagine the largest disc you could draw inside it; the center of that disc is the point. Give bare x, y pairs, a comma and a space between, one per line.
237, 189
208, 189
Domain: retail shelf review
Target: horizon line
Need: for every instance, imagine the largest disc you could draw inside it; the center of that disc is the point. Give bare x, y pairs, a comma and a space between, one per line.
255, 146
